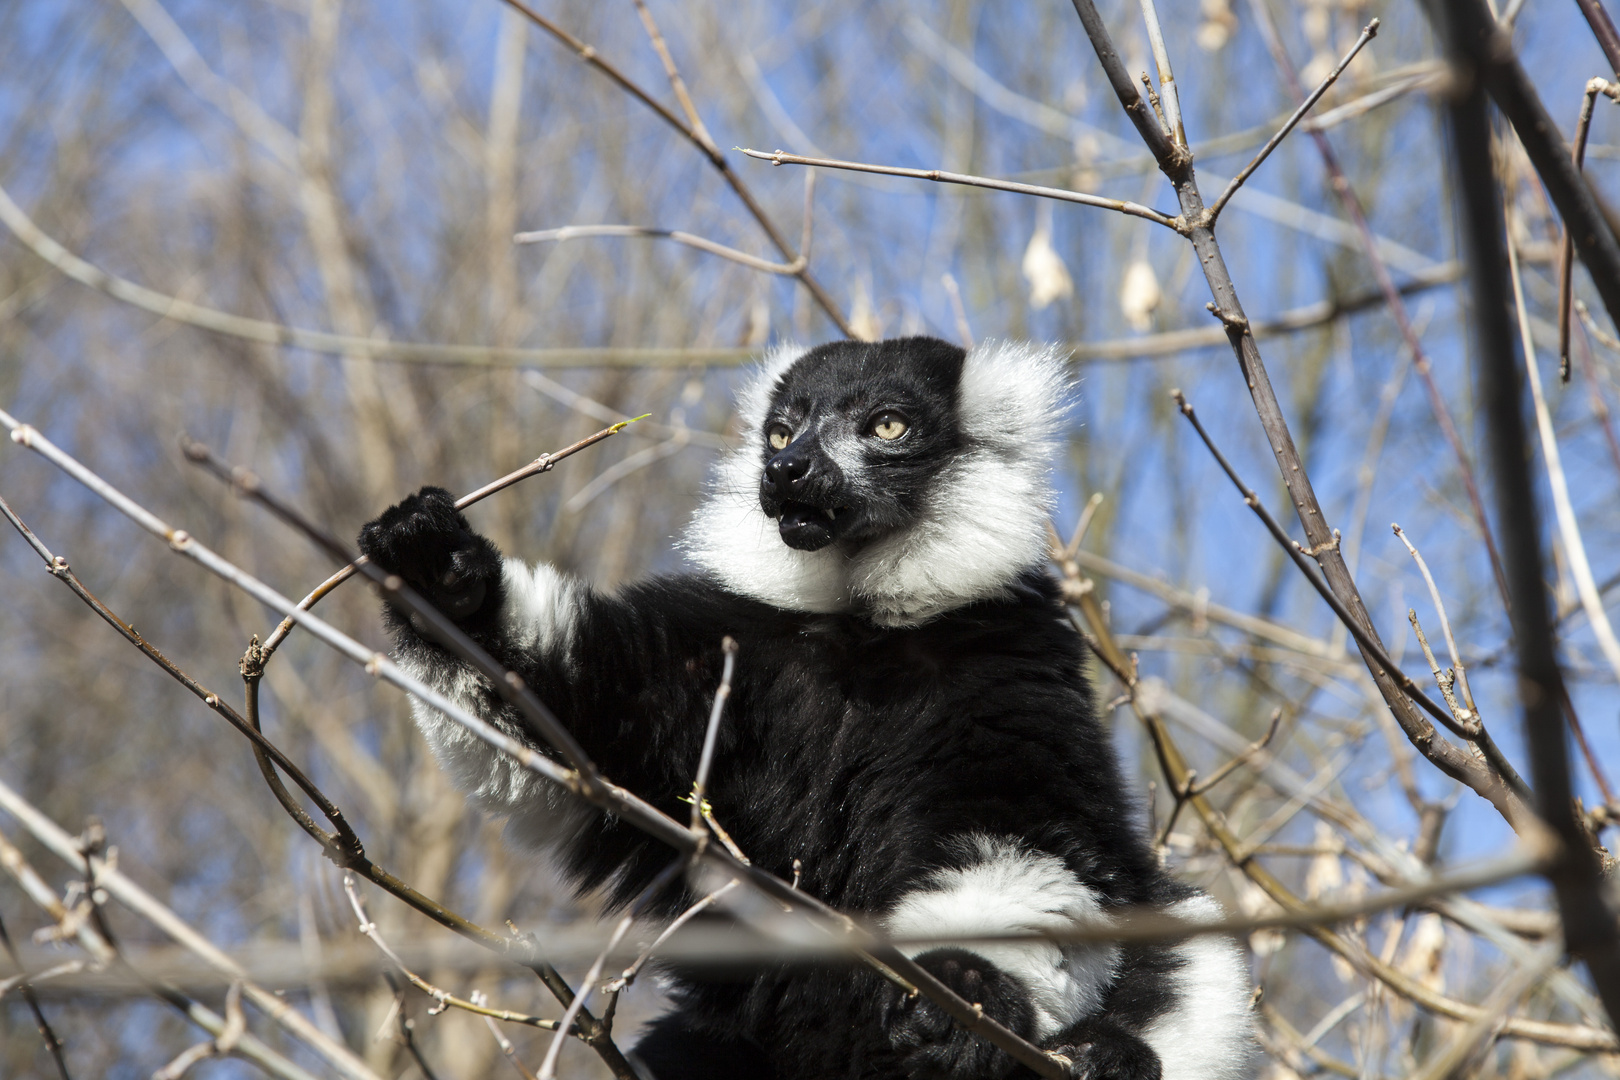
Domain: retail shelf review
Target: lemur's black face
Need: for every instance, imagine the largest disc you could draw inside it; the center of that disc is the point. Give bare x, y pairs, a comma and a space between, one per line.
855, 436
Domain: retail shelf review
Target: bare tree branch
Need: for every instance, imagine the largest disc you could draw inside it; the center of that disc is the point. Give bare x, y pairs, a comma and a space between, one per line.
780, 157
1590, 928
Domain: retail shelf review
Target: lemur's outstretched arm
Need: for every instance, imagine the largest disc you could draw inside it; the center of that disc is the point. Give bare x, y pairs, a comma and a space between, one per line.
598, 662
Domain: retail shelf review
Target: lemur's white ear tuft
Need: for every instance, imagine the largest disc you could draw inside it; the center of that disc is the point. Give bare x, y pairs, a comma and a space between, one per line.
985, 522
1015, 396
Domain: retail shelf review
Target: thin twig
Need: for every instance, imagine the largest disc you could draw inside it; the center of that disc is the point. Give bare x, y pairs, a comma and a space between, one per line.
1167, 79
507, 1049
577, 232
1441, 679
728, 648
1460, 673
445, 999
782, 157
1241, 759
1367, 34
673, 74
1566, 253
53, 1044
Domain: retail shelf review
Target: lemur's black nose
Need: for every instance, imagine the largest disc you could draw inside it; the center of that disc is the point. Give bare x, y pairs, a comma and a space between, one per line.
786, 470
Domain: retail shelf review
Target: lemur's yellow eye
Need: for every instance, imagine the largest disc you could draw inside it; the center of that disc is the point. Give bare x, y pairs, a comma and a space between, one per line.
780, 436
889, 426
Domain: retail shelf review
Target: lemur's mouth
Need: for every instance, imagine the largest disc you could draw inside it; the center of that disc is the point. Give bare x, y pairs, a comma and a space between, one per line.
807, 527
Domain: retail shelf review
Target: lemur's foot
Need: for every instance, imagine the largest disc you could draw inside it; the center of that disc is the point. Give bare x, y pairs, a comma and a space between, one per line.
1101, 1050
425, 540
934, 1047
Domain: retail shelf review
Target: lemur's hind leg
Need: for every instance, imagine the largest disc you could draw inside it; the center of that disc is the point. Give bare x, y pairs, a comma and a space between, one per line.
1104, 1050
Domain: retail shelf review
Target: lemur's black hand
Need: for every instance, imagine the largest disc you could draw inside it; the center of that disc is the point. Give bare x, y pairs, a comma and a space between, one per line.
426, 541
933, 1047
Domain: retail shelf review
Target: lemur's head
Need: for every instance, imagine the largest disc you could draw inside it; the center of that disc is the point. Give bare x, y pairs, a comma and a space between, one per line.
897, 479
855, 436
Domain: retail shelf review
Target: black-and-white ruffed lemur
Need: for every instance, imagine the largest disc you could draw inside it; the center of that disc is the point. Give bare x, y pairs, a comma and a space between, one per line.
909, 722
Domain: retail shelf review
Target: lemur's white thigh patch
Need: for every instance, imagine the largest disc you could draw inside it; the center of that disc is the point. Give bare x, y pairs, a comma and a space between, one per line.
1006, 888
543, 607
539, 616
1208, 1034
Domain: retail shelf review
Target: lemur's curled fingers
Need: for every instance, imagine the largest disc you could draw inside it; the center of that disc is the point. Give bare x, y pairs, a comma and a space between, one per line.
426, 541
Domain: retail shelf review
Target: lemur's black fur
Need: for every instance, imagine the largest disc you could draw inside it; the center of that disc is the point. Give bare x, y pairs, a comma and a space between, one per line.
929, 754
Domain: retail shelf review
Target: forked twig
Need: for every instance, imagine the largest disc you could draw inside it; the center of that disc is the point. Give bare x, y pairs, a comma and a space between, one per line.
445, 999
1460, 675
1300, 558
1243, 758
629, 974
696, 133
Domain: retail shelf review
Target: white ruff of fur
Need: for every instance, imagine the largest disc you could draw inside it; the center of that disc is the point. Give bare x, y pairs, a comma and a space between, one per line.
1008, 889
984, 525
539, 617
1209, 1034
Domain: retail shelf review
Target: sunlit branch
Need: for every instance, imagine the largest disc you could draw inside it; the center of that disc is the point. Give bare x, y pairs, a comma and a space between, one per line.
578, 232
781, 157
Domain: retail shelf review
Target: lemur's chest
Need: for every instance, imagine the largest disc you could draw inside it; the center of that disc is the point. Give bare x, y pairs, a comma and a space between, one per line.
837, 743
